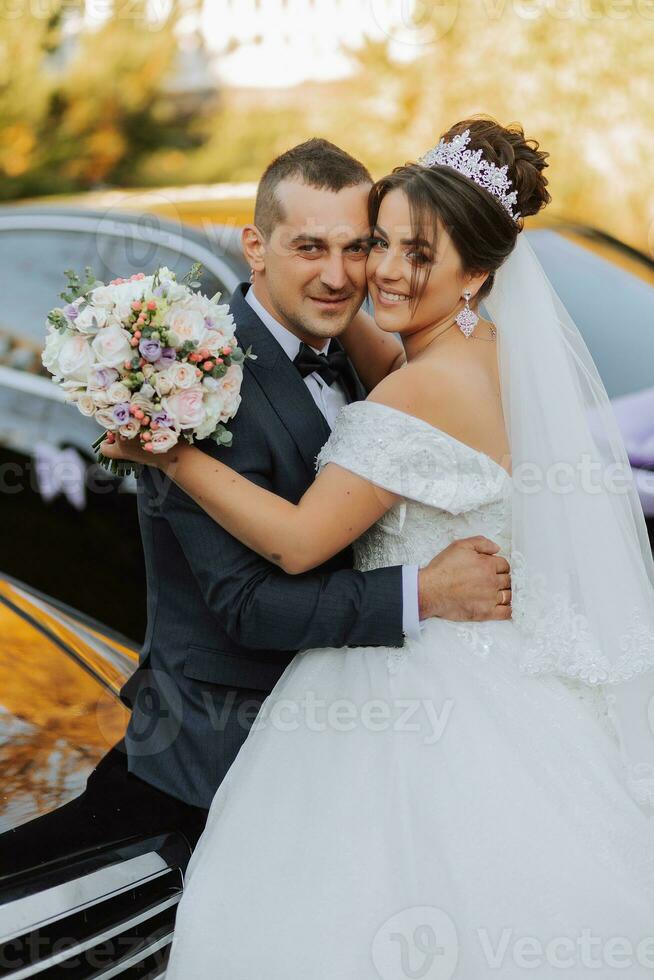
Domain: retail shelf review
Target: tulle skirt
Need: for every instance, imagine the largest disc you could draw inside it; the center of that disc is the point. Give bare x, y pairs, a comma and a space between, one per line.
431, 813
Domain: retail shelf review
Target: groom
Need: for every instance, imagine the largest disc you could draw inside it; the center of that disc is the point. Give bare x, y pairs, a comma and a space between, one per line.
223, 623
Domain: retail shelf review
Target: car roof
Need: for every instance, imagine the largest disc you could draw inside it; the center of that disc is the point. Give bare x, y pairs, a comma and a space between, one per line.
214, 248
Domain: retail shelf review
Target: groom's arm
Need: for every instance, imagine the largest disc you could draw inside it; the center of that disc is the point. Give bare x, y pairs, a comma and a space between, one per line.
260, 607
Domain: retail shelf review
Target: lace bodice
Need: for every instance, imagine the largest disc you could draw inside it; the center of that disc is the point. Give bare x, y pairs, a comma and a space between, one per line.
449, 490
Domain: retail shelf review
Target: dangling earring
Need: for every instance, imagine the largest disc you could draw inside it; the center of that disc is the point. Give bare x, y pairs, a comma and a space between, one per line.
251, 275
467, 318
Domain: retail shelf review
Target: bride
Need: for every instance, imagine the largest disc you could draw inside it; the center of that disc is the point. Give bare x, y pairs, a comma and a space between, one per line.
476, 803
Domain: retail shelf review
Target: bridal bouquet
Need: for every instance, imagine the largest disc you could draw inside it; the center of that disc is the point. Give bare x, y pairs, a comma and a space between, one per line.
148, 357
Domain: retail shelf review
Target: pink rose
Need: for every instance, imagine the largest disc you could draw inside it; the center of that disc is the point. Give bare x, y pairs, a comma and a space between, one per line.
186, 324
186, 407
232, 379
231, 391
163, 440
182, 374
105, 418
130, 429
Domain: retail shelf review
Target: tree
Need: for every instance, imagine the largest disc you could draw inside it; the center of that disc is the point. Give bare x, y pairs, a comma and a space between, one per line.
80, 108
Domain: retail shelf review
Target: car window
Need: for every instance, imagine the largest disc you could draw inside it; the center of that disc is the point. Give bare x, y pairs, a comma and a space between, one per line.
613, 308
56, 723
32, 263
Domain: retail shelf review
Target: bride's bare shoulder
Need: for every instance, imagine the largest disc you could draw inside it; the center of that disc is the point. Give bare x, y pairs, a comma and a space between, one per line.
415, 388
452, 394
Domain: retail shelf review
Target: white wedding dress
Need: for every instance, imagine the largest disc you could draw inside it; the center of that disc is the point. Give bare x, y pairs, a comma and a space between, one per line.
428, 811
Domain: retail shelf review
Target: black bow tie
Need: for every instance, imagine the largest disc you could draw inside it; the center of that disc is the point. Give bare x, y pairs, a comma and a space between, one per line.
331, 366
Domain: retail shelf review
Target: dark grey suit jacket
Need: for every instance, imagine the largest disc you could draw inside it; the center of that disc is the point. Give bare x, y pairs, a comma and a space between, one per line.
223, 623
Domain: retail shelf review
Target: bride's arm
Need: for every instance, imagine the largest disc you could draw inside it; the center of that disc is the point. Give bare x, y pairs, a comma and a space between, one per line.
374, 352
336, 509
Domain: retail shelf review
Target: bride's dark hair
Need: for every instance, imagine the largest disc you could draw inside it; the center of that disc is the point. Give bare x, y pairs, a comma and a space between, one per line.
482, 231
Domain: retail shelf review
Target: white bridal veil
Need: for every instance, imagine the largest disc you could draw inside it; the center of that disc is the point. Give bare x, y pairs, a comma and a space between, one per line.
583, 574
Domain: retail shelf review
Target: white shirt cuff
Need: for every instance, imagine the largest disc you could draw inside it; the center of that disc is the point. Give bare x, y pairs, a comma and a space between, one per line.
410, 610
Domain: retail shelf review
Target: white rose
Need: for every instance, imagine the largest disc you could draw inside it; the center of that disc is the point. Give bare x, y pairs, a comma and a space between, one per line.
100, 397
147, 391
54, 341
223, 320
103, 296
166, 274
111, 346
113, 320
212, 340
124, 295
230, 408
213, 406
186, 407
162, 383
185, 324
163, 440
231, 391
117, 392
127, 292
219, 315
86, 405
75, 359
130, 429
105, 418
140, 401
182, 375
175, 291
91, 319
122, 311
233, 378
197, 302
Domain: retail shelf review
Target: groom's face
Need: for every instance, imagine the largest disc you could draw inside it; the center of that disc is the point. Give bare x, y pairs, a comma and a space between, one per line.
314, 276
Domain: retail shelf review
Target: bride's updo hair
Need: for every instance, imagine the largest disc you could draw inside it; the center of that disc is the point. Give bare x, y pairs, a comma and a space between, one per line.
482, 230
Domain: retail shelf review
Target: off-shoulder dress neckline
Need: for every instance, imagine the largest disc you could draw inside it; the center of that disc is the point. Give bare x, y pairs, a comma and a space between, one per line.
423, 422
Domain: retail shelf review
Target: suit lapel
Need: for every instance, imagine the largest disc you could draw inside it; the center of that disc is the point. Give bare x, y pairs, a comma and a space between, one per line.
280, 381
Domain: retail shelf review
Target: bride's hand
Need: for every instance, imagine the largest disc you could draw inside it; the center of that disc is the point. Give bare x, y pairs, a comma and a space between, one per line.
117, 447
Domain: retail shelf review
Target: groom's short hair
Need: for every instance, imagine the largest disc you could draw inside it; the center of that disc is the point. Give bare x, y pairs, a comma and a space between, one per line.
318, 163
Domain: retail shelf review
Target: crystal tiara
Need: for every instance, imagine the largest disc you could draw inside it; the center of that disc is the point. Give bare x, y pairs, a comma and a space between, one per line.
471, 164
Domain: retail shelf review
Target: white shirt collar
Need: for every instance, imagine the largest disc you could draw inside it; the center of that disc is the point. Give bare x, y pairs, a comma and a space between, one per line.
287, 340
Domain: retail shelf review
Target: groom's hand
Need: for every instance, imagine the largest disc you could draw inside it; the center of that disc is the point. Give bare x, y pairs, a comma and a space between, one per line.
466, 582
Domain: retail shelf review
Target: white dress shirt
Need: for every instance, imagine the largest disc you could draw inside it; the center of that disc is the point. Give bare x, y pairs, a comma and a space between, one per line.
330, 399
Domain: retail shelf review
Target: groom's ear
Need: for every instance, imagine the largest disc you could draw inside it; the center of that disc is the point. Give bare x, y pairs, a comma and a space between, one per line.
254, 247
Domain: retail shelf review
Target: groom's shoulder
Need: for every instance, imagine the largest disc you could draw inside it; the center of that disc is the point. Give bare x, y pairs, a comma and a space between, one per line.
239, 308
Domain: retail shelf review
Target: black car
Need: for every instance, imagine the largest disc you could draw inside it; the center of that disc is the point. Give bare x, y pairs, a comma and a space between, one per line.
608, 287
105, 912
55, 500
